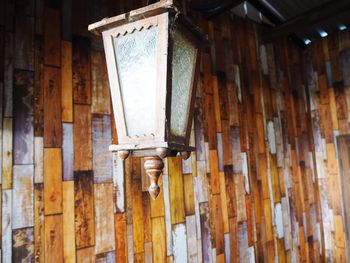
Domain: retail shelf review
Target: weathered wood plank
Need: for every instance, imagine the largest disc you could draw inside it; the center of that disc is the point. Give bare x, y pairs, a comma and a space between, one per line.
7, 153
176, 191
68, 151
68, 222
99, 84
24, 42
38, 87
38, 160
53, 238
8, 75
101, 157
53, 180
67, 82
81, 71
86, 255
52, 39
179, 243
23, 245
108, 257
118, 183
39, 231
6, 226
104, 230
120, 237
23, 141
205, 232
189, 194
137, 217
84, 209
158, 239
82, 138
52, 107
23, 193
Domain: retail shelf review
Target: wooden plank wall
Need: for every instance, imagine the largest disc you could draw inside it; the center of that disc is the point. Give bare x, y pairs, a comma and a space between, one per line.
262, 186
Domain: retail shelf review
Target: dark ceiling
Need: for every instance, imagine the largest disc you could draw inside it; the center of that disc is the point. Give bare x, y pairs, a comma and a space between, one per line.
304, 20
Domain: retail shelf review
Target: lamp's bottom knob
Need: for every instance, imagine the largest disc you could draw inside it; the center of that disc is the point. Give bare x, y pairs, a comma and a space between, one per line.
154, 168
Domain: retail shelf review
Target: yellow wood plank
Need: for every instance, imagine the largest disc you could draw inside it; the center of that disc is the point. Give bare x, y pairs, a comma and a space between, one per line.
68, 222
53, 238
176, 191
53, 180
66, 82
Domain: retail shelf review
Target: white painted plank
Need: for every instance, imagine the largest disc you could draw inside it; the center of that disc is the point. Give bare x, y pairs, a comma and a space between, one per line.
6, 244
23, 196
191, 239
179, 243
169, 240
118, 183
38, 159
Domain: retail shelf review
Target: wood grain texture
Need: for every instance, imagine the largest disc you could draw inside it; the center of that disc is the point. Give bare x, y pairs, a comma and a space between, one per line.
176, 191
53, 238
81, 71
53, 180
23, 245
39, 229
52, 107
52, 41
82, 138
99, 84
23, 192
101, 157
104, 230
84, 209
67, 81
68, 151
69, 253
23, 141
7, 153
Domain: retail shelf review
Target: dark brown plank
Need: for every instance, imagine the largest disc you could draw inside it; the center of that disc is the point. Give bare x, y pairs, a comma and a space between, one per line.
23, 117
52, 37
84, 209
81, 71
52, 107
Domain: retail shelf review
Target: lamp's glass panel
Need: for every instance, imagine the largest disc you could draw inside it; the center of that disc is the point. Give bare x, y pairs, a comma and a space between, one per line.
184, 56
136, 63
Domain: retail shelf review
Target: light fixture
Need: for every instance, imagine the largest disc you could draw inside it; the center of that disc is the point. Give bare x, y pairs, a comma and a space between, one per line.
322, 33
307, 41
342, 27
153, 56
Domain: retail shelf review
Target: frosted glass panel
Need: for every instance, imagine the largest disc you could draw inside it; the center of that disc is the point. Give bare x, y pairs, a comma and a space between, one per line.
184, 55
136, 62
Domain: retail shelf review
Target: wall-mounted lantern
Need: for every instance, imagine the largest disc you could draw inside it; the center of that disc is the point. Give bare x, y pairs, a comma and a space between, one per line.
153, 56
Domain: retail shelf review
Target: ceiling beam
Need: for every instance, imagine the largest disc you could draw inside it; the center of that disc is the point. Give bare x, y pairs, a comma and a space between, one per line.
212, 10
309, 18
275, 19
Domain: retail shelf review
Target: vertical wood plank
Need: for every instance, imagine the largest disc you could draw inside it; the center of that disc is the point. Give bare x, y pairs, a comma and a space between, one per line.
120, 237
23, 141
6, 226
53, 238
81, 71
7, 153
39, 230
38, 160
24, 42
52, 40
99, 84
101, 157
53, 180
68, 222
82, 138
104, 230
52, 107
176, 191
23, 245
68, 151
84, 209
23, 193
158, 239
67, 82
